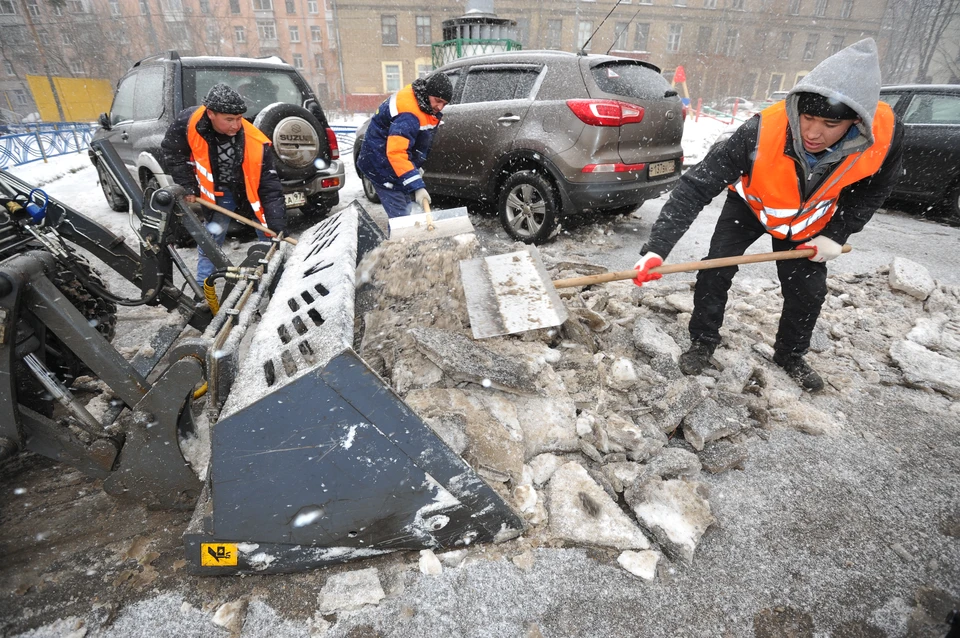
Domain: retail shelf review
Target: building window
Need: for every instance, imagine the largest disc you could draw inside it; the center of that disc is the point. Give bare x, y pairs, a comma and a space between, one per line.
76, 67
776, 81
331, 36
212, 33
21, 97
263, 5
523, 31
423, 70
294, 33
239, 35
65, 38
318, 61
266, 30
794, 8
316, 34
8, 8
621, 33
810, 48
786, 41
34, 8
835, 44
423, 31
234, 6
144, 8
178, 32
704, 34
584, 30
297, 61
8, 67
205, 6
642, 37
738, 5
391, 77
820, 9
709, 4
388, 31
731, 43
554, 33
115, 7
291, 7
57, 10
679, 3
75, 6
673, 38
313, 7
846, 9
644, 1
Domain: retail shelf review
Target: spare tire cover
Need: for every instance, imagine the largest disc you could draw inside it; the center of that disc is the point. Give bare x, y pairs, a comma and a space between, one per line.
298, 139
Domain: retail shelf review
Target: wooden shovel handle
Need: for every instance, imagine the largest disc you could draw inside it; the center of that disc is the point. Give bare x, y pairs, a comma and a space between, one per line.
426, 209
689, 266
243, 220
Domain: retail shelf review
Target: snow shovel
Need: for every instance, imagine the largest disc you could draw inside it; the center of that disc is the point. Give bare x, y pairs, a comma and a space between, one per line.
512, 293
431, 224
243, 220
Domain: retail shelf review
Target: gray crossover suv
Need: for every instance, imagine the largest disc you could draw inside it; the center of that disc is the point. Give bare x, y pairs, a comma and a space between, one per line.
548, 134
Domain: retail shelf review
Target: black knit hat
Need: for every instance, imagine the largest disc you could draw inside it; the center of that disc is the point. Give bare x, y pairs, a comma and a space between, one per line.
438, 85
222, 99
820, 106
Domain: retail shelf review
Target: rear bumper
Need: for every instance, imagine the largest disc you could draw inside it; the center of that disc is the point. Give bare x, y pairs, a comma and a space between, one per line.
314, 185
579, 196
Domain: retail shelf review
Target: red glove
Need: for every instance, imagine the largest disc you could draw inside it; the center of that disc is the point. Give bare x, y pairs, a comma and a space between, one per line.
648, 261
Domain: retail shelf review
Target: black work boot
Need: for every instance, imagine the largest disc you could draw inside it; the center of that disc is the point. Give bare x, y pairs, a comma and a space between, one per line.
697, 358
799, 370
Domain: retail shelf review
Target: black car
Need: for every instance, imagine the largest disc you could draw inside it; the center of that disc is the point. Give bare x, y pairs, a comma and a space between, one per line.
280, 103
931, 145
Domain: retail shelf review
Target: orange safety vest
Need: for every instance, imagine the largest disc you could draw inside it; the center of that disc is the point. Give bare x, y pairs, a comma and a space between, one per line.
772, 191
252, 162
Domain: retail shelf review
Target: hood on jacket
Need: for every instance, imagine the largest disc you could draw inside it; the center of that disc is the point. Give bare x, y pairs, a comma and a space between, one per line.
851, 76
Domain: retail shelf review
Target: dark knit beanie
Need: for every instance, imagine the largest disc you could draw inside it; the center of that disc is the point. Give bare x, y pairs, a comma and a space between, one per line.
222, 99
821, 106
438, 85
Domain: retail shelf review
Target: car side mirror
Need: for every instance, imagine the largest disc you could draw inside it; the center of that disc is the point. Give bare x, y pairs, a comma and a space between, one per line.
105, 121
670, 93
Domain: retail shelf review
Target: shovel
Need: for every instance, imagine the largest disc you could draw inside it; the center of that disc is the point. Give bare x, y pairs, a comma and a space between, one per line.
243, 220
512, 293
431, 224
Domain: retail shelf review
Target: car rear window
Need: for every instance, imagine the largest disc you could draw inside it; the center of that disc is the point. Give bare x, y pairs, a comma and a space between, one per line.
629, 79
258, 87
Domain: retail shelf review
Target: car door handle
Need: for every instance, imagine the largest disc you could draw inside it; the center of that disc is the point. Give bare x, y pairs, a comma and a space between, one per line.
509, 118
124, 136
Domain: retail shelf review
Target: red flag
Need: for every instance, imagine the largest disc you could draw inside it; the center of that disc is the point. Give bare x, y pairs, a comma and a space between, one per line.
679, 75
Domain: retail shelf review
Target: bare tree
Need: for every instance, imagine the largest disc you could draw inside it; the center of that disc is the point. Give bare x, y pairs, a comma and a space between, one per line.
917, 29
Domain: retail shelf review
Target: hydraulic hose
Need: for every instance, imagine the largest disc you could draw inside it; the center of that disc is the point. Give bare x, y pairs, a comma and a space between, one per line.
210, 290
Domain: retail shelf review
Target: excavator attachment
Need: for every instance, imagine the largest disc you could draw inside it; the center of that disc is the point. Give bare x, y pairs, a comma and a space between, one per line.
314, 459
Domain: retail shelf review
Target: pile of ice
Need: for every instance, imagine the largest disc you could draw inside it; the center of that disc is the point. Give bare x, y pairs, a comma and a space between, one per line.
592, 432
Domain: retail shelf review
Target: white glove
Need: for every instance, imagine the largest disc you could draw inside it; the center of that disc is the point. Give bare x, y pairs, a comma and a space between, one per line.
421, 171
421, 195
647, 261
826, 248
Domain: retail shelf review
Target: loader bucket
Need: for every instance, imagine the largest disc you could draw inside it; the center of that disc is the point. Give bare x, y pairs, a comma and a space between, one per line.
315, 460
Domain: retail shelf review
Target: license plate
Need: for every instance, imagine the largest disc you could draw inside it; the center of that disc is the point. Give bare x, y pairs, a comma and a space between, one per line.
662, 168
293, 200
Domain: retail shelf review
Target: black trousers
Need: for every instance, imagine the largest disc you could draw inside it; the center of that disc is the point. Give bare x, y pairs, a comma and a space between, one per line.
803, 282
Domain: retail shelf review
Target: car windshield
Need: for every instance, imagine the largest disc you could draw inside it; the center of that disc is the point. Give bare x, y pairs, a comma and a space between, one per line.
630, 79
258, 87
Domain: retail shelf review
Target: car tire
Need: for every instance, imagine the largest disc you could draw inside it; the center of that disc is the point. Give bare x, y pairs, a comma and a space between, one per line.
267, 121
368, 190
114, 196
527, 207
952, 203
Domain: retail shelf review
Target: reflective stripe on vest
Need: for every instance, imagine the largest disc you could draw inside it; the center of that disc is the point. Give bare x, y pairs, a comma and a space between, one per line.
252, 163
772, 190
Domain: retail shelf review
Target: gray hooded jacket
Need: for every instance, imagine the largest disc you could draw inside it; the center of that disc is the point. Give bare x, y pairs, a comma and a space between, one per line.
852, 76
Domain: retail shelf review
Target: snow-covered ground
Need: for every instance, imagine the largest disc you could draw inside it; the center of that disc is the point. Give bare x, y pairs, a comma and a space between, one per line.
849, 534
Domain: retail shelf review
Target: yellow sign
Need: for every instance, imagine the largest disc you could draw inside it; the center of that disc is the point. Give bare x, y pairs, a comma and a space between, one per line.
218, 554
82, 99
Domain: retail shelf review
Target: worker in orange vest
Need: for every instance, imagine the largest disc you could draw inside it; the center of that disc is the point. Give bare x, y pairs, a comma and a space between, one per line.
218, 156
809, 171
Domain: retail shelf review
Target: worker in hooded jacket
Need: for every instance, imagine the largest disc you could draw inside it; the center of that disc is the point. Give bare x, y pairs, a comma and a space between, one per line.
398, 142
809, 171
217, 155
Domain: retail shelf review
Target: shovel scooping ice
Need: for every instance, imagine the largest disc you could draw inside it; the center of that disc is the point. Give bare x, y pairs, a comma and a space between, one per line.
431, 224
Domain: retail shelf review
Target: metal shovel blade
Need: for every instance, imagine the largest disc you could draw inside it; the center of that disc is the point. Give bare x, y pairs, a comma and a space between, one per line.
430, 225
510, 293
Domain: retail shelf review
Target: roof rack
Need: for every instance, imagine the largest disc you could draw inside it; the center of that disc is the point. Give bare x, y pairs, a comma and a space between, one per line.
167, 55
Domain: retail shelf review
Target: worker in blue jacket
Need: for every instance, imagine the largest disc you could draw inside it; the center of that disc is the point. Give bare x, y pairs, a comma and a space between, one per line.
398, 141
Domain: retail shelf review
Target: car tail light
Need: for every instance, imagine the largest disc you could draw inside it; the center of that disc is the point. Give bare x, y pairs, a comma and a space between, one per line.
329, 182
606, 112
683, 112
334, 145
613, 168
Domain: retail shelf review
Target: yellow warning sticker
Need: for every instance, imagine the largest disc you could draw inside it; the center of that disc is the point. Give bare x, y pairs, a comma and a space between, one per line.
218, 554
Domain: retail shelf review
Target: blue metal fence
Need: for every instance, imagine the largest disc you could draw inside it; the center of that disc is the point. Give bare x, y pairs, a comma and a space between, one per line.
43, 141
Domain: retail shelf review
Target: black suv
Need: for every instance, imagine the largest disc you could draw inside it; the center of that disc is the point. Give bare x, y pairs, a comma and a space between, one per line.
280, 103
